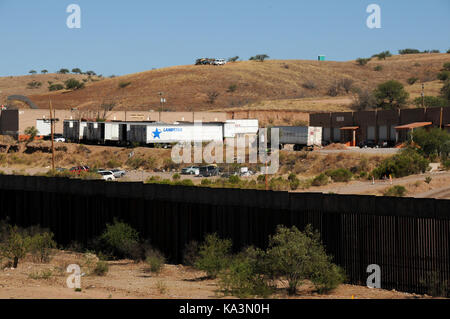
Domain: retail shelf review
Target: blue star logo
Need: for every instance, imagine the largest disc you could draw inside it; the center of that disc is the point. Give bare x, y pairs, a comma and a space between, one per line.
156, 133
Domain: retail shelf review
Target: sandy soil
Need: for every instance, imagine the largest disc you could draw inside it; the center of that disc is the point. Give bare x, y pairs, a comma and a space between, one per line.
127, 279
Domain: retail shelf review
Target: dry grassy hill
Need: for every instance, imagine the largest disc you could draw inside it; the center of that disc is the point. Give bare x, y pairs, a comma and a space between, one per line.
273, 84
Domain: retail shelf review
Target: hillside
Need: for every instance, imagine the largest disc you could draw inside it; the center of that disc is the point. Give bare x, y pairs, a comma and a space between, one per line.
274, 84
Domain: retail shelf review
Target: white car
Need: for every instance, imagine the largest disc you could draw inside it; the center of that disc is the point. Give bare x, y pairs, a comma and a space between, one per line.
60, 140
219, 62
107, 175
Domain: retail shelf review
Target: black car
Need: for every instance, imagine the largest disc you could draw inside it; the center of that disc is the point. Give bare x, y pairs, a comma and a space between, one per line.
210, 170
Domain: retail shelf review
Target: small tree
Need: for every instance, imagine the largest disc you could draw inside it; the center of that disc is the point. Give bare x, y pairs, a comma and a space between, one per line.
446, 66
32, 72
15, 246
296, 256
63, 71
391, 95
408, 51
363, 99
259, 57
233, 59
346, 84
383, 55
362, 61
55, 87
77, 71
44, 71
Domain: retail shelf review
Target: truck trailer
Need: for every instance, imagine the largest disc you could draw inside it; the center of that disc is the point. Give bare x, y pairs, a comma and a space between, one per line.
300, 137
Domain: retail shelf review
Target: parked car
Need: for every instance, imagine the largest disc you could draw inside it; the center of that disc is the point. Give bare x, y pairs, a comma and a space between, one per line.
58, 138
107, 175
219, 62
208, 171
191, 170
118, 172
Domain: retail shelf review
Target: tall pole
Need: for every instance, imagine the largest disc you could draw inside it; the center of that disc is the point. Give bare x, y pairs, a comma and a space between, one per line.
423, 95
52, 134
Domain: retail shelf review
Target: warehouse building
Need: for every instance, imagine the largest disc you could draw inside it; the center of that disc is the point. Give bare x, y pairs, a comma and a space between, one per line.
392, 126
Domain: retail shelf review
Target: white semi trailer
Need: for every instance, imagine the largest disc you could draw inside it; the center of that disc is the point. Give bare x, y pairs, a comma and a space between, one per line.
300, 136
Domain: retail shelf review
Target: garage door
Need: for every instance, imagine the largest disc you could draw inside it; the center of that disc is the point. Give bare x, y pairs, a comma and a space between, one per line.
382, 133
326, 134
371, 133
393, 133
336, 134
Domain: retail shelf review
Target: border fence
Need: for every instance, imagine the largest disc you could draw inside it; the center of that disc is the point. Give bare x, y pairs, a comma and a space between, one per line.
408, 238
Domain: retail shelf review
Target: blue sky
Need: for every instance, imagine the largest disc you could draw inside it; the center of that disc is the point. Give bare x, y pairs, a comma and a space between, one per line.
121, 37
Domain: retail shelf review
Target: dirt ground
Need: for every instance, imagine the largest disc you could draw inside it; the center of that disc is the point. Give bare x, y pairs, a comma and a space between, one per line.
129, 280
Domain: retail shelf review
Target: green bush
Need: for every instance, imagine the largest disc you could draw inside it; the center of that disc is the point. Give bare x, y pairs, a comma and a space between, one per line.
119, 240
395, 191
206, 182
155, 260
296, 256
14, 244
340, 175
294, 182
234, 179
378, 68
434, 142
73, 84
123, 84
176, 177
430, 101
406, 163
391, 95
444, 75
412, 80
185, 182
101, 268
245, 277
320, 180
362, 61
55, 87
41, 245
214, 255
428, 179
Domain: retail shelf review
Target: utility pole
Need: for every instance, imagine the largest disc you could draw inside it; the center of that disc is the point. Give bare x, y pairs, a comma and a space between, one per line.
423, 95
52, 134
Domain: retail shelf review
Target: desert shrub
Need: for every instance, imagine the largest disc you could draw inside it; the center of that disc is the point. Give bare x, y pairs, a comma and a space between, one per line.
234, 179
310, 85
363, 99
86, 175
382, 55
408, 51
444, 75
333, 90
430, 101
435, 284
55, 87
176, 177
41, 245
34, 84
278, 184
320, 180
259, 57
246, 276
232, 88
378, 68
412, 80
428, 179
395, 191
446, 164
73, 84
362, 61
432, 143
214, 255
294, 182
118, 240
113, 163
44, 274
123, 84
340, 175
406, 163
233, 59
346, 84
261, 178
15, 244
101, 268
205, 182
296, 256
155, 260
191, 253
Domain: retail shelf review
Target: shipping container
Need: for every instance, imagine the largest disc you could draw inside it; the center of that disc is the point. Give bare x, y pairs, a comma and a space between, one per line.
71, 130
